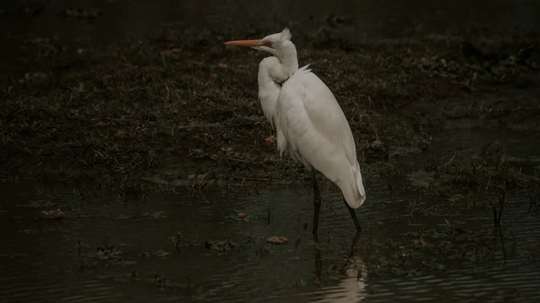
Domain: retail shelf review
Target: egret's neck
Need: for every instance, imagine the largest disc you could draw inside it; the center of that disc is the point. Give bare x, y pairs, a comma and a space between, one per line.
273, 71
268, 88
289, 59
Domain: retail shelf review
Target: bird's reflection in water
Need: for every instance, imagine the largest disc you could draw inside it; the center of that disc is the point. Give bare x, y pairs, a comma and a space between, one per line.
353, 287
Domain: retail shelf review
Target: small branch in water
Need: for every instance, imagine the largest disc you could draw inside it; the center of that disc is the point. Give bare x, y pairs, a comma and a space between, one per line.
176, 240
501, 203
269, 216
298, 241
488, 182
413, 208
514, 239
495, 222
532, 201
497, 219
497, 215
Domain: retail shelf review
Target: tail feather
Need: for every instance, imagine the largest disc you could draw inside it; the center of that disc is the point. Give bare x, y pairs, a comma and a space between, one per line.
353, 188
360, 184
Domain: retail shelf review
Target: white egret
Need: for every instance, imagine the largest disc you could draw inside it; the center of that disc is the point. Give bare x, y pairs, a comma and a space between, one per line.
309, 123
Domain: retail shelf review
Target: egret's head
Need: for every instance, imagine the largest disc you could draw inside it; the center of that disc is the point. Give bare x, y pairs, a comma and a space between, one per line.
270, 43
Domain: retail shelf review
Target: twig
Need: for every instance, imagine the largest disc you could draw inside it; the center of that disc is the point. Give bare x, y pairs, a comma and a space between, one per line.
269, 216
253, 178
502, 200
450, 161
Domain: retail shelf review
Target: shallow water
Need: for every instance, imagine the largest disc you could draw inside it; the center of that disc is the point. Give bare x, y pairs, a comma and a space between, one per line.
61, 259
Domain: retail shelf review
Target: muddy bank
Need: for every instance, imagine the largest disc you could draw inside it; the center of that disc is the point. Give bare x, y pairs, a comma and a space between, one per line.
181, 106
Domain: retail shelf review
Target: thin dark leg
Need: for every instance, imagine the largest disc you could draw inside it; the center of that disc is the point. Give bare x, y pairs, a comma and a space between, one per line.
318, 263
316, 201
353, 243
354, 217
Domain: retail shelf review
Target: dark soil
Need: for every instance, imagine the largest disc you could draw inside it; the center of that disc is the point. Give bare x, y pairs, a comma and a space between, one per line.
180, 105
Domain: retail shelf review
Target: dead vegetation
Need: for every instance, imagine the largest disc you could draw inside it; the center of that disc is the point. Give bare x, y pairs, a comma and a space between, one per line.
188, 107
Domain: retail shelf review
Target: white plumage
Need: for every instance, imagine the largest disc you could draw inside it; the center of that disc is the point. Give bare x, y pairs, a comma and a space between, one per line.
309, 122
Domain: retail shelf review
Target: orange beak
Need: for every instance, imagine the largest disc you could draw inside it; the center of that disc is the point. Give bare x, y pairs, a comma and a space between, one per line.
250, 43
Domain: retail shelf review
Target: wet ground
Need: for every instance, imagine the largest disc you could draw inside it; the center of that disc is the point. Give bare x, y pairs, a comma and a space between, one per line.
134, 164
198, 248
